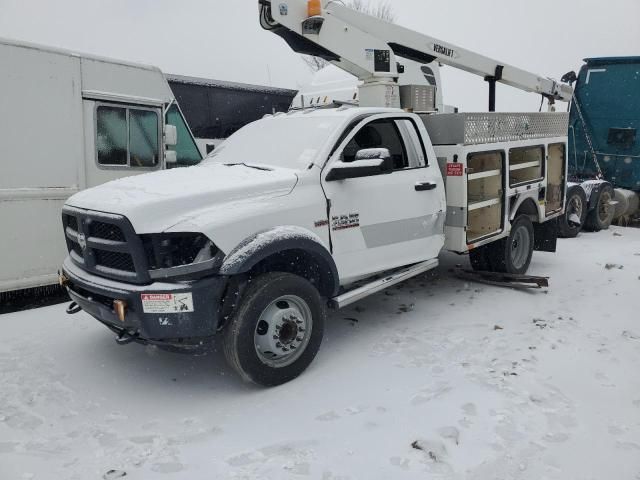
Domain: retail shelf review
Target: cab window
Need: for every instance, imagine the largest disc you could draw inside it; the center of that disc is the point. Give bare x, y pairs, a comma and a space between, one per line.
399, 136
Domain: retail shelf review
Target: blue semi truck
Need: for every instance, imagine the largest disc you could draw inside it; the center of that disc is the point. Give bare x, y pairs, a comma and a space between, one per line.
604, 148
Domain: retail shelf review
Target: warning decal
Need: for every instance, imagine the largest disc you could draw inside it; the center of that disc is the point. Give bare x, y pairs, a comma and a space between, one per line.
167, 302
455, 170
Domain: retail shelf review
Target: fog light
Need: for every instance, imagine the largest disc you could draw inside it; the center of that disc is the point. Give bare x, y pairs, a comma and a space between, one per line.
120, 306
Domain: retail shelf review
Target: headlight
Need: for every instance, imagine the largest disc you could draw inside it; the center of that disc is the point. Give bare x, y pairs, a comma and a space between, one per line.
167, 252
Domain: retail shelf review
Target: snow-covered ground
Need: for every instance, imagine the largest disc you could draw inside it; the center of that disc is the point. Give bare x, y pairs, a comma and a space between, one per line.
435, 379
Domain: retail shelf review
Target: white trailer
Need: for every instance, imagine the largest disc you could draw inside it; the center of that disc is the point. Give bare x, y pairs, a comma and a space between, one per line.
71, 121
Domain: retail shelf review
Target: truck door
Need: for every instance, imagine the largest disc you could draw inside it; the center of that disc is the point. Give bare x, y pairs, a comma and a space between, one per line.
384, 221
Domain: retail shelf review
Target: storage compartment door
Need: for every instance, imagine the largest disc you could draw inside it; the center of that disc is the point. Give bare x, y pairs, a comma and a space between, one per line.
485, 195
555, 178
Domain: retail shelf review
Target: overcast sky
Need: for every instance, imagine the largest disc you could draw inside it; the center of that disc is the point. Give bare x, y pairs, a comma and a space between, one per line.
221, 39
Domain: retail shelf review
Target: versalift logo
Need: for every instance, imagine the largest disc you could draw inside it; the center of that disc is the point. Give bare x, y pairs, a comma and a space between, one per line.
442, 50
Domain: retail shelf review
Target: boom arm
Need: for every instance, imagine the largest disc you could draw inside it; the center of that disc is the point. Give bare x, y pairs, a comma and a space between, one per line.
367, 47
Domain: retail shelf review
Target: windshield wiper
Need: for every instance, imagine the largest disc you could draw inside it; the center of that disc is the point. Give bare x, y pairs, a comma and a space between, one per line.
257, 167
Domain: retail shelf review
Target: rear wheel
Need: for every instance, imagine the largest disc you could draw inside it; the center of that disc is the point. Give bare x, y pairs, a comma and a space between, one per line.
480, 259
570, 224
601, 217
513, 254
276, 331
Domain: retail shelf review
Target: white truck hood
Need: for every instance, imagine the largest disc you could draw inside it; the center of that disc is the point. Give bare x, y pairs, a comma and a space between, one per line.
156, 201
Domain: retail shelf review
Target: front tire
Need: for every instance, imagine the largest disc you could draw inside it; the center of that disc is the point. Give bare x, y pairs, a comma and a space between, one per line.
277, 330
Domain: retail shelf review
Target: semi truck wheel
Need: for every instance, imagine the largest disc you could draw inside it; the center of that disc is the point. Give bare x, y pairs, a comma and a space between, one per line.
276, 331
513, 254
570, 224
601, 217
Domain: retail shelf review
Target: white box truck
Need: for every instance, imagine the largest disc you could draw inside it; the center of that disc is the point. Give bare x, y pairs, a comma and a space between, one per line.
68, 122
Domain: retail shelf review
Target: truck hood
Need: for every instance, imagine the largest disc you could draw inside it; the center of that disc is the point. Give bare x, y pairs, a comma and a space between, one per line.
156, 201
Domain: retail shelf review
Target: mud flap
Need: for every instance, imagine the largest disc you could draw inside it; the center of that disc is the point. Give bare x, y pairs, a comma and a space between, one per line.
546, 236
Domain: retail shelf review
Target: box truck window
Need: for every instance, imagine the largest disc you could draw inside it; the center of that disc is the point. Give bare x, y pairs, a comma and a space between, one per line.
127, 136
112, 135
186, 149
143, 138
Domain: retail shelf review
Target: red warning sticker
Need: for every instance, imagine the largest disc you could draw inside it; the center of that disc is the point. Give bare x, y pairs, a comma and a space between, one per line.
455, 170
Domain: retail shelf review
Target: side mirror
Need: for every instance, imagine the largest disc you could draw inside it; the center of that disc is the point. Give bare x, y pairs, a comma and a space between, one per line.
170, 135
170, 158
368, 163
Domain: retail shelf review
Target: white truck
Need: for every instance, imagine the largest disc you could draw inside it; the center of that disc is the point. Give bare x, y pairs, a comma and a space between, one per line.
71, 121
313, 209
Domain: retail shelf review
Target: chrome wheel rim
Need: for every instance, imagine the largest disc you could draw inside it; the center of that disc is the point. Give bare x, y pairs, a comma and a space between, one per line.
605, 209
575, 207
520, 245
283, 331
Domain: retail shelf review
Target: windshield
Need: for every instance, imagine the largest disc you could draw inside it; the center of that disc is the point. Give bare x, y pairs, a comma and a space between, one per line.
289, 142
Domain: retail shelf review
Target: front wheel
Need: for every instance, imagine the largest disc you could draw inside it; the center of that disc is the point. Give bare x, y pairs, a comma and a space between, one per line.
276, 332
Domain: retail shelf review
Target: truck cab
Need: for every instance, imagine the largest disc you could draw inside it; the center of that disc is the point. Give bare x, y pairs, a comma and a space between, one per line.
328, 197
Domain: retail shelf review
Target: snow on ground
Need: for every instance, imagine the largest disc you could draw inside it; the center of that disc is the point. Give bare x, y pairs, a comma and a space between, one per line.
435, 379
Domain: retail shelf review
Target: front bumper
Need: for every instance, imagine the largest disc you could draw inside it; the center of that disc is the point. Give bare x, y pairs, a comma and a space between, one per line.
155, 324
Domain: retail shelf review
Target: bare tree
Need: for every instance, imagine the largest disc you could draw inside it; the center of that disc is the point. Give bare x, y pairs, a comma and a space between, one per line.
382, 9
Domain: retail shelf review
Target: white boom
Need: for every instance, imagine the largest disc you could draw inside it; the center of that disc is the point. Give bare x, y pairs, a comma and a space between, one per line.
367, 47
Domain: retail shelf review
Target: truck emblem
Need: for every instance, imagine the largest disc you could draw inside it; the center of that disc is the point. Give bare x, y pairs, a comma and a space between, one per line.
82, 241
284, 9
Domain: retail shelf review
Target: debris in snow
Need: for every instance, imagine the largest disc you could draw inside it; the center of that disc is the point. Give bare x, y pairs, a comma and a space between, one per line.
112, 474
541, 324
450, 433
613, 266
406, 308
616, 234
631, 335
435, 450
498, 327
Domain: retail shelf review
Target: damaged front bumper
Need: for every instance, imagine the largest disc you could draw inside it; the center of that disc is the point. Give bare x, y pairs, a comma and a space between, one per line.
181, 314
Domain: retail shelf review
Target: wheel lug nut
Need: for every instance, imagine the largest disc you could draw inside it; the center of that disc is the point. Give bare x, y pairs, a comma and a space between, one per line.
299, 339
275, 337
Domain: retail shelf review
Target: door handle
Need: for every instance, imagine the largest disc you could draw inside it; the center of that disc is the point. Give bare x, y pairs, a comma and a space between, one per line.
425, 186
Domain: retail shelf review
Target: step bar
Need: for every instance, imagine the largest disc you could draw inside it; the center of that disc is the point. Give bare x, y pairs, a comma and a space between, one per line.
376, 286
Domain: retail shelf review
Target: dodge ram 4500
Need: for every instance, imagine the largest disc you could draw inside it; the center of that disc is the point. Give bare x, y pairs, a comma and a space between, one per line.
298, 213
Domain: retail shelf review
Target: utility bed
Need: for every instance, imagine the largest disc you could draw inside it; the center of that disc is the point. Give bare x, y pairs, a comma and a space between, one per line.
496, 165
